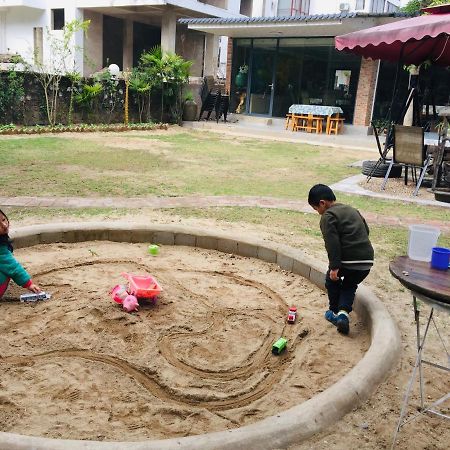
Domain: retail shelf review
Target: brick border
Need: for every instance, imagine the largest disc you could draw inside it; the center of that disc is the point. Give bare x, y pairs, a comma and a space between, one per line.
289, 427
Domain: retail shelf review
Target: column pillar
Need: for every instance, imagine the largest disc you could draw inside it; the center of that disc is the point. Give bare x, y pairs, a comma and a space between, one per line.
366, 92
229, 65
93, 43
79, 39
127, 45
3, 45
168, 31
211, 55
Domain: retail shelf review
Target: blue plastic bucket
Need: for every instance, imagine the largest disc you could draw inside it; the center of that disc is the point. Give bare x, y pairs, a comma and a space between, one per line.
440, 258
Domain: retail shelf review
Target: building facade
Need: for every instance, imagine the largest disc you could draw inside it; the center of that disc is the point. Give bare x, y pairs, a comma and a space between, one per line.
280, 52
274, 62
118, 33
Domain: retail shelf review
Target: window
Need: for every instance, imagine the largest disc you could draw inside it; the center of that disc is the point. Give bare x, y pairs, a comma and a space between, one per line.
360, 4
377, 6
57, 19
293, 7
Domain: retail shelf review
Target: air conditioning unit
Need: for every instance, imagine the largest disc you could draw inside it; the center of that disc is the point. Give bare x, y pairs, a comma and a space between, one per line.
344, 7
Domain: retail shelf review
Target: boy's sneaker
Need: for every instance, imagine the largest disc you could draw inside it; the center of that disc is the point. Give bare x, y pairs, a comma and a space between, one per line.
331, 317
343, 322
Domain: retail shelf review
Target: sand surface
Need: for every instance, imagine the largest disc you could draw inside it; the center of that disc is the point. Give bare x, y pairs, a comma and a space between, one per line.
198, 360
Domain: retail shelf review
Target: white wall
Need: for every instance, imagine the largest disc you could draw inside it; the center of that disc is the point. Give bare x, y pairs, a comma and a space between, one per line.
264, 8
234, 6
333, 6
16, 36
19, 30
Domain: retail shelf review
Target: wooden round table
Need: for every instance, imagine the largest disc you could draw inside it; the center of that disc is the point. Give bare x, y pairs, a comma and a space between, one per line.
433, 287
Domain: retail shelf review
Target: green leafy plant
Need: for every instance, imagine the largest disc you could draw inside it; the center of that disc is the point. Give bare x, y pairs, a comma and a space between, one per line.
75, 79
243, 68
141, 87
12, 94
112, 93
188, 96
49, 72
169, 73
88, 94
414, 6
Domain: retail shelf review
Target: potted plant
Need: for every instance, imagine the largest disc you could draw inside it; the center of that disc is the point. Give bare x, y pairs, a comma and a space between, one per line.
241, 78
189, 107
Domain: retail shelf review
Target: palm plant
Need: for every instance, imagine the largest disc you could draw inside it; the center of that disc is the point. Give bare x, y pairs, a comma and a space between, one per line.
142, 87
168, 72
75, 79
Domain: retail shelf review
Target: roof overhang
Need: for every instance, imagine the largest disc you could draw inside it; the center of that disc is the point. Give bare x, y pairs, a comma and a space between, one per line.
306, 26
22, 4
151, 11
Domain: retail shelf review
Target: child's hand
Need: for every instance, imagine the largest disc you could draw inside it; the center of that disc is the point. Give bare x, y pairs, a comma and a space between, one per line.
34, 288
334, 274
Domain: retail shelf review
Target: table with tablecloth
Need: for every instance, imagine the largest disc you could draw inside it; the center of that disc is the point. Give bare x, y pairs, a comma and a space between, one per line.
316, 110
314, 114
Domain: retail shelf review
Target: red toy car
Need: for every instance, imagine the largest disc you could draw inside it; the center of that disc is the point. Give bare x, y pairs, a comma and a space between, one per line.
292, 314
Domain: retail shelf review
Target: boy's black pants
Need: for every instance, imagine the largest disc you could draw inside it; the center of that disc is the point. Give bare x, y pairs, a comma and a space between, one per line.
341, 293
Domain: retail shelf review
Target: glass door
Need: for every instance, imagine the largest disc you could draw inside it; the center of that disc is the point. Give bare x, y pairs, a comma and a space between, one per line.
261, 86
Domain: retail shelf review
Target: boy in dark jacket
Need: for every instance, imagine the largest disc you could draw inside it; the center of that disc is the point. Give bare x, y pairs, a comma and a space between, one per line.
350, 253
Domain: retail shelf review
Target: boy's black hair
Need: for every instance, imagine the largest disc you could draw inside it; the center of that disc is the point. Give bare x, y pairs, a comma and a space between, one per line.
4, 238
320, 192
4, 215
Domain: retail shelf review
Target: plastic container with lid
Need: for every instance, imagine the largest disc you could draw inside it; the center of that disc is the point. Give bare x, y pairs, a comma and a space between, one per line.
422, 239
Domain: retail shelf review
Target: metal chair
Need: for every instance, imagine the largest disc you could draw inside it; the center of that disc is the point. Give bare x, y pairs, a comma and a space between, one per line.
409, 150
382, 151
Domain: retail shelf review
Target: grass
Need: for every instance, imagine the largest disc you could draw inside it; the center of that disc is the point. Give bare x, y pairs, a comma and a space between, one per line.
178, 163
191, 163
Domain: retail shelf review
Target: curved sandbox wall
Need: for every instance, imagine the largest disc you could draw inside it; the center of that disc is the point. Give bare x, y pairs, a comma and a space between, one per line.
291, 426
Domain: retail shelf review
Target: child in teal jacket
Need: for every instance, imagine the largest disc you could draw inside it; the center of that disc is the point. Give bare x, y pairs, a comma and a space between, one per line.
10, 268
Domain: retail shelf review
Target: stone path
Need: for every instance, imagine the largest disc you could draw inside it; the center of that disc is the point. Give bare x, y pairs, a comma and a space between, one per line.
199, 202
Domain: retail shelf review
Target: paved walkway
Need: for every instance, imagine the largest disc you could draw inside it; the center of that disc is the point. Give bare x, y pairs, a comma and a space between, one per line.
197, 202
354, 138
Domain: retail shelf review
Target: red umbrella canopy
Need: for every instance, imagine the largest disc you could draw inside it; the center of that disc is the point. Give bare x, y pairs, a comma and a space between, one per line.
411, 41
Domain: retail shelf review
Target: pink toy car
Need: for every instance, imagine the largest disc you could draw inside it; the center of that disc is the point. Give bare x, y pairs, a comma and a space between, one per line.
142, 286
292, 314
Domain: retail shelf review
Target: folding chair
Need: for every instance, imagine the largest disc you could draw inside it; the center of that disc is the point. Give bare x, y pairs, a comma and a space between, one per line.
382, 151
409, 149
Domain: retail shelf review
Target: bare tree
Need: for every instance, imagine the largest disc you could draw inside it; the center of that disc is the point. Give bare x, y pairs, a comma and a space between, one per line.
61, 61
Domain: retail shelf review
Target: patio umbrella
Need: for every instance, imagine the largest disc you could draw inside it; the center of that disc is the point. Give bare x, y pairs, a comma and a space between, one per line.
409, 41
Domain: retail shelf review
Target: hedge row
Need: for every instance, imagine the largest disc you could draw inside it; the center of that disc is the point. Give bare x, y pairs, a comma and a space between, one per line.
39, 129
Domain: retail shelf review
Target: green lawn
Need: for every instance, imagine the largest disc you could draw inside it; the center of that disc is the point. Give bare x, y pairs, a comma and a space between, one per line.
172, 164
180, 162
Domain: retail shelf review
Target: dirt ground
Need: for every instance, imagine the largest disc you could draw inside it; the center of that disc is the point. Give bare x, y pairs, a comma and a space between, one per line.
397, 187
199, 360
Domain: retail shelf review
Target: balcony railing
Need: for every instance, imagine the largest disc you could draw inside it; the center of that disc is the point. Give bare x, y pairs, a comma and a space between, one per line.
293, 7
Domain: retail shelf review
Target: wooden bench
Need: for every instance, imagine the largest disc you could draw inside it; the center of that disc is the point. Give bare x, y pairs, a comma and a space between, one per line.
334, 124
289, 121
309, 123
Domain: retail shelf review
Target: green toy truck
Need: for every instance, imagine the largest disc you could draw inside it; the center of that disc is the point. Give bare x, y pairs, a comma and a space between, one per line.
279, 346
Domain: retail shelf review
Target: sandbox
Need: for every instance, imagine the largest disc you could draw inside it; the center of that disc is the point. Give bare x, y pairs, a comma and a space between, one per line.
79, 370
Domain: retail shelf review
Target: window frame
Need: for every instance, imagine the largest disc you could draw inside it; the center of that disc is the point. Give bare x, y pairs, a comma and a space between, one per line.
58, 18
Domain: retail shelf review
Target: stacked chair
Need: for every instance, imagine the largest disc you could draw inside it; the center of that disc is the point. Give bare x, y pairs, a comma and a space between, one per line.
213, 99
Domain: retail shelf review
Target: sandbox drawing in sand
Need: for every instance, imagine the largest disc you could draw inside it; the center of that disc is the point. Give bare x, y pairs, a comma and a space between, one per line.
198, 360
